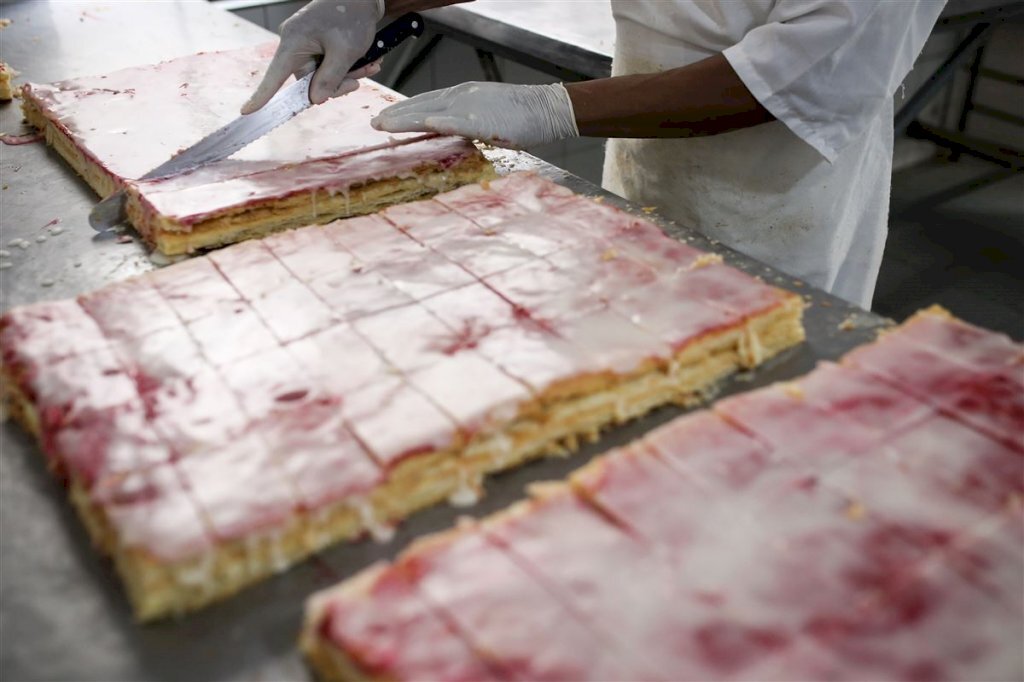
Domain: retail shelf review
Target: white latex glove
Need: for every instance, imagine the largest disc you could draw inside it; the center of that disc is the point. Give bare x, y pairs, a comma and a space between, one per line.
516, 116
339, 30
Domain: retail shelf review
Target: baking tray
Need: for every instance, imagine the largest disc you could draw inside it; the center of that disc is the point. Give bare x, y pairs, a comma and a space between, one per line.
63, 615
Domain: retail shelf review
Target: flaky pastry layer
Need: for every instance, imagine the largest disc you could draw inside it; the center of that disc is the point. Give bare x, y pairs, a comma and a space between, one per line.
551, 425
238, 223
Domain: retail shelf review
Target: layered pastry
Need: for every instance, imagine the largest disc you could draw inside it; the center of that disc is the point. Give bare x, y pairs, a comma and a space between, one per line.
221, 418
325, 163
863, 522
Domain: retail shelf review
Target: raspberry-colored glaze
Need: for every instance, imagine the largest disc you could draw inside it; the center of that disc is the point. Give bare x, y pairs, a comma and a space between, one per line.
837, 527
312, 363
391, 633
497, 607
130, 121
988, 399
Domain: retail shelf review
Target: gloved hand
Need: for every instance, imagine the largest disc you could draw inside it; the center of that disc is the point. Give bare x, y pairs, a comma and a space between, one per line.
516, 116
340, 30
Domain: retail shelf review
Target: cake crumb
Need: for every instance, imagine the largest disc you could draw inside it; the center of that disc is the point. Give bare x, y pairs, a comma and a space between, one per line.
854, 321
855, 511
4, 253
793, 390
47, 282
159, 259
464, 496
705, 260
4, 23
5, 264
610, 254
649, 209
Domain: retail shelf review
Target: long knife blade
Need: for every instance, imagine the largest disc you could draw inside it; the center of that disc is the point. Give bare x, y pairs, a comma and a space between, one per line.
224, 142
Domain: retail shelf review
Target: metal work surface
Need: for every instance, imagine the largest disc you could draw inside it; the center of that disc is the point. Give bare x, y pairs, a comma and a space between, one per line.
63, 615
578, 36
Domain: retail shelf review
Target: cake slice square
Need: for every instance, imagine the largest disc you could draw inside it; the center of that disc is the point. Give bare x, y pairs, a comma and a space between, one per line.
991, 400
467, 579
689, 641
390, 633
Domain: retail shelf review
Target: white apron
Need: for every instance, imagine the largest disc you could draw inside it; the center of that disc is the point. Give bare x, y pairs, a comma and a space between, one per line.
808, 193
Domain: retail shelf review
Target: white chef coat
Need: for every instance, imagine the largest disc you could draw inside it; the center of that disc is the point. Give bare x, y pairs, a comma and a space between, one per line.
809, 192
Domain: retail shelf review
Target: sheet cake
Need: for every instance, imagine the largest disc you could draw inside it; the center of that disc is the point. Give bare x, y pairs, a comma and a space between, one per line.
221, 418
325, 163
863, 522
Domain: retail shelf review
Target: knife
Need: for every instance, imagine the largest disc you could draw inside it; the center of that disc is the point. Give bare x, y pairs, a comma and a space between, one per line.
222, 143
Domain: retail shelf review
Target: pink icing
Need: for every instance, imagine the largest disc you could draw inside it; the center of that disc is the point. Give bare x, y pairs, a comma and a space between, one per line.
471, 580
130, 121
312, 362
802, 536
394, 635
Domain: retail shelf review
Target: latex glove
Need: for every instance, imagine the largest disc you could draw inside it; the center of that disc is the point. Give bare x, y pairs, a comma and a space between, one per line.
516, 116
339, 30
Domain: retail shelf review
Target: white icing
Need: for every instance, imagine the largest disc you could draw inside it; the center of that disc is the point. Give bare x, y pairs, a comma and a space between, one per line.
751, 349
502, 445
380, 532
467, 493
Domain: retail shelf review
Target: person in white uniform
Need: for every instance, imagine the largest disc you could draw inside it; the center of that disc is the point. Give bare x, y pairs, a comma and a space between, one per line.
765, 124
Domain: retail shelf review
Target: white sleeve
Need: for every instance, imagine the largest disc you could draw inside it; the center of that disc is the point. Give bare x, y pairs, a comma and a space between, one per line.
826, 67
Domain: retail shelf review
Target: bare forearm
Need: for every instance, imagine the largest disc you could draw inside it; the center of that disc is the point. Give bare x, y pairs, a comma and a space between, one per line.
704, 98
396, 7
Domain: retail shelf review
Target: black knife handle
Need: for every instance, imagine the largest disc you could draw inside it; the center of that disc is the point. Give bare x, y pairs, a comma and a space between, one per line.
390, 37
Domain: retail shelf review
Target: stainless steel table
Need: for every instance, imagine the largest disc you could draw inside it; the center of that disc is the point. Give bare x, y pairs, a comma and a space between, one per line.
62, 613
570, 39
575, 39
